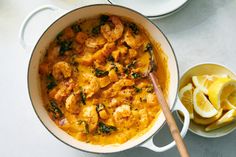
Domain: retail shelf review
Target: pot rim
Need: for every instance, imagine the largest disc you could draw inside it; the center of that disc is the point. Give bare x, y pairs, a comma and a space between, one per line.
87, 6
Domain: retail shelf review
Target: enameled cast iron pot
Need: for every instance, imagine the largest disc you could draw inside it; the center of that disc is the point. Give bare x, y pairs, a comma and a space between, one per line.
50, 33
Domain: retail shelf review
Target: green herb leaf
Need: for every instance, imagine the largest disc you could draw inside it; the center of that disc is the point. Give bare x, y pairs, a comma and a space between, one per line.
100, 73
136, 75
134, 28
65, 46
73, 61
51, 82
85, 124
105, 129
148, 48
110, 58
96, 30
132, 64
137, 90
100, 107
150, 89
59, 37
103, 19
83, 97
115, 67
57, 113
126, 70
76, 28
51, 85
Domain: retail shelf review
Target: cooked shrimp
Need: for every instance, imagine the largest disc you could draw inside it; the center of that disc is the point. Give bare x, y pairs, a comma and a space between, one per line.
126, 93
95, 42
71, 104
122, 116
92, 85
61, 69
151, 99
116, 87
133, 40
62, 90
120, 51
113, 34
144, 120
89, 114
132, 53
103, 53
81, 37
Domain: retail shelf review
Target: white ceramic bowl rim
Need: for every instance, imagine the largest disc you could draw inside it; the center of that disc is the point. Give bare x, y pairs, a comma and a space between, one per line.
59, 18
219, 134
161, 15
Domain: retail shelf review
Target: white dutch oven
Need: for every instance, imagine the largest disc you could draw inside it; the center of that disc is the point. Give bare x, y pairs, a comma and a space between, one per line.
50, 33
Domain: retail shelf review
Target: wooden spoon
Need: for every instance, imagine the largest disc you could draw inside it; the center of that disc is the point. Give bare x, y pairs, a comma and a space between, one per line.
165, 107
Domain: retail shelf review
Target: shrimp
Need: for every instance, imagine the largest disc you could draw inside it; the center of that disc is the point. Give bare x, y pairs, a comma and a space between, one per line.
81, 37
120, 51
116, 87
61, 69
151, 99
126, 93
95, 42
103, 53
113, 34
122, 116
62, 90
99, 56
133, 40
144, 119
93, 85
71, 104
90, 115
132, 53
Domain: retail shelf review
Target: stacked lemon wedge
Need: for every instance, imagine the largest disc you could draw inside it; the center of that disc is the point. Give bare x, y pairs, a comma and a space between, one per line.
210, 100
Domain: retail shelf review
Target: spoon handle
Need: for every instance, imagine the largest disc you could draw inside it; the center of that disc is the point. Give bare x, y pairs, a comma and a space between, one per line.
169, 118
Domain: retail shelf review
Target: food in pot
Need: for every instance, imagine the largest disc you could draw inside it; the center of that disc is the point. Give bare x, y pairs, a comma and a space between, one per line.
210, 100
93, 82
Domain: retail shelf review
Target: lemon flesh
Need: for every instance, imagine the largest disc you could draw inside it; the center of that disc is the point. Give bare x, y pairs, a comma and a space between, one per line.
186, 97
204, 82
206, 121
202, 105
220, 90
227, 118
230, 102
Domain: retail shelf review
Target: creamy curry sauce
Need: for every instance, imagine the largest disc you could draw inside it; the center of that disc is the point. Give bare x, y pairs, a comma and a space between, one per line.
92, 80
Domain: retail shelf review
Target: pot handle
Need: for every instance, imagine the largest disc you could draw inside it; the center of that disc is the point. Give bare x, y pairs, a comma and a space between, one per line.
29, 17
150, 144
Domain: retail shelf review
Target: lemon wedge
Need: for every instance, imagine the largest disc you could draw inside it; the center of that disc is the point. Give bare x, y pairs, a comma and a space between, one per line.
202, 105
220, 90
186, 97
204, 81
206, 121
227, 118
230, 102
232, 98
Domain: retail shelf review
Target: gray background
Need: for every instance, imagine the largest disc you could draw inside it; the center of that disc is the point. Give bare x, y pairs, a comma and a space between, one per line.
203, 31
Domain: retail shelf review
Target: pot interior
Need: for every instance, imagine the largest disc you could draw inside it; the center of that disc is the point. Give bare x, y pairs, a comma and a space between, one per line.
50, 34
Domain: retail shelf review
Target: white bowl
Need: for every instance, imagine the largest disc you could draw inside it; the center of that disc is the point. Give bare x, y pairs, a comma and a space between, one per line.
86, 12
153, 8
207, 69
